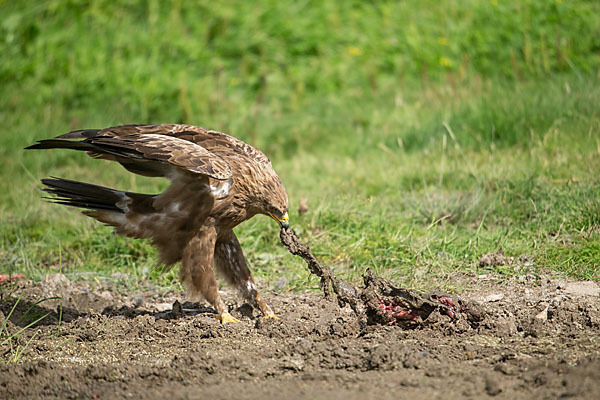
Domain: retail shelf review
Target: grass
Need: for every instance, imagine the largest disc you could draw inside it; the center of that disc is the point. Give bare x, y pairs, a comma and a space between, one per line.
14, 341
422, 134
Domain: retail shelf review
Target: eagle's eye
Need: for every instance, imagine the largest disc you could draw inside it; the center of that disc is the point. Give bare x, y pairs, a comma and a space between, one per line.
274, 211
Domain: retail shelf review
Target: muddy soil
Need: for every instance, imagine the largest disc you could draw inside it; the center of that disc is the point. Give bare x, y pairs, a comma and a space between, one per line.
536, 338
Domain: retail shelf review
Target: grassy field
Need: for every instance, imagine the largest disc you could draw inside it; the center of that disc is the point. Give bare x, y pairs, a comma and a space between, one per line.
422, 134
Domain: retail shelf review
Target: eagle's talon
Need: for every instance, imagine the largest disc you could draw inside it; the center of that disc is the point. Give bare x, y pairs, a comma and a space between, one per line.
271, 316
226, 318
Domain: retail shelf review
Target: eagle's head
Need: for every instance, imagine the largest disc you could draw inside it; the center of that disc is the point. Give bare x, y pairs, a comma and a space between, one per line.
275, 202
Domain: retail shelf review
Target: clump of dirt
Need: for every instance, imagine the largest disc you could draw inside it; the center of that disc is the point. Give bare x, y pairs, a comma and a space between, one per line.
495, 259
498, 259
530, 337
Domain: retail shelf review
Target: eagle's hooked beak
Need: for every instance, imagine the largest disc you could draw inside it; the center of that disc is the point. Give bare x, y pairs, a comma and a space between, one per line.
284, 222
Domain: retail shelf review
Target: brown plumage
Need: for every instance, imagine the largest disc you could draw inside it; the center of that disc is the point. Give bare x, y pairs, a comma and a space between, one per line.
217, 182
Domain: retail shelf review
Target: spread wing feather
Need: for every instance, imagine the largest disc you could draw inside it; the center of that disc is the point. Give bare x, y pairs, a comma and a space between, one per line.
216, 142
148, 154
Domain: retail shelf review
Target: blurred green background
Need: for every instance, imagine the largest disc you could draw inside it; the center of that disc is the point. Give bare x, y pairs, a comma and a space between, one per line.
420, 134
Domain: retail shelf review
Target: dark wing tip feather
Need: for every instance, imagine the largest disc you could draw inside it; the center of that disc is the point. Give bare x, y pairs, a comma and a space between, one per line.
60, 144
43, 144
57, 143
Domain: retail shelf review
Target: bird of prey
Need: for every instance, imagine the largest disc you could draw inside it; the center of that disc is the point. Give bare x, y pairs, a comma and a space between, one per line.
217, 182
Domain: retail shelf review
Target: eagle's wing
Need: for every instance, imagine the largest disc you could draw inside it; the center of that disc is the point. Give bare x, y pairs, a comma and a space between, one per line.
214, 141
169, 218
223, 144
148, 154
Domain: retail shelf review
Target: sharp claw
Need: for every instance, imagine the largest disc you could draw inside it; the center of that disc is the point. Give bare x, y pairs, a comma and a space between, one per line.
226, 318
271, 315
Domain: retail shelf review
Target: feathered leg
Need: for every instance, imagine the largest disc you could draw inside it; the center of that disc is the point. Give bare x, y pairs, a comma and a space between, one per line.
197, 270
230, 261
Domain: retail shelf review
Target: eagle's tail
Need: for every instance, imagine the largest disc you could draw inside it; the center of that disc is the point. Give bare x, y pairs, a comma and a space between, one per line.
131, 214
83, 195
122, 210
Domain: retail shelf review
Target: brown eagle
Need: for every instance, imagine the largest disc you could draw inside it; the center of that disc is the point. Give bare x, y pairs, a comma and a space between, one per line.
217, 182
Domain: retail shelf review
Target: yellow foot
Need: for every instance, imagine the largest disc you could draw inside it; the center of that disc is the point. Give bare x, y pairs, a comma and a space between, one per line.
226, 318
271, 315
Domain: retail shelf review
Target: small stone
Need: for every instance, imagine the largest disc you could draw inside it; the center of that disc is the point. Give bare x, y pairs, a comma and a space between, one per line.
494, 297
542, 315
161, 307
57, 285
492, 387
138, 300
506, 326
496, 258
55, 280
106, 295
490, 298
506, 369
556, 300
585, 288
294, 364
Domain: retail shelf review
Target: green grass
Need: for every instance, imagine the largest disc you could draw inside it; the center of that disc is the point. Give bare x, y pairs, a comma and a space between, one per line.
422, 134
11, 339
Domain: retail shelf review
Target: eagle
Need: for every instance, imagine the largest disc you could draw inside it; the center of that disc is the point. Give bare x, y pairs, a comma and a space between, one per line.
217, 182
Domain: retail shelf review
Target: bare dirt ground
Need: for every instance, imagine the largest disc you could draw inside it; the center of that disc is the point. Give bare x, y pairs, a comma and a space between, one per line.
537, 338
